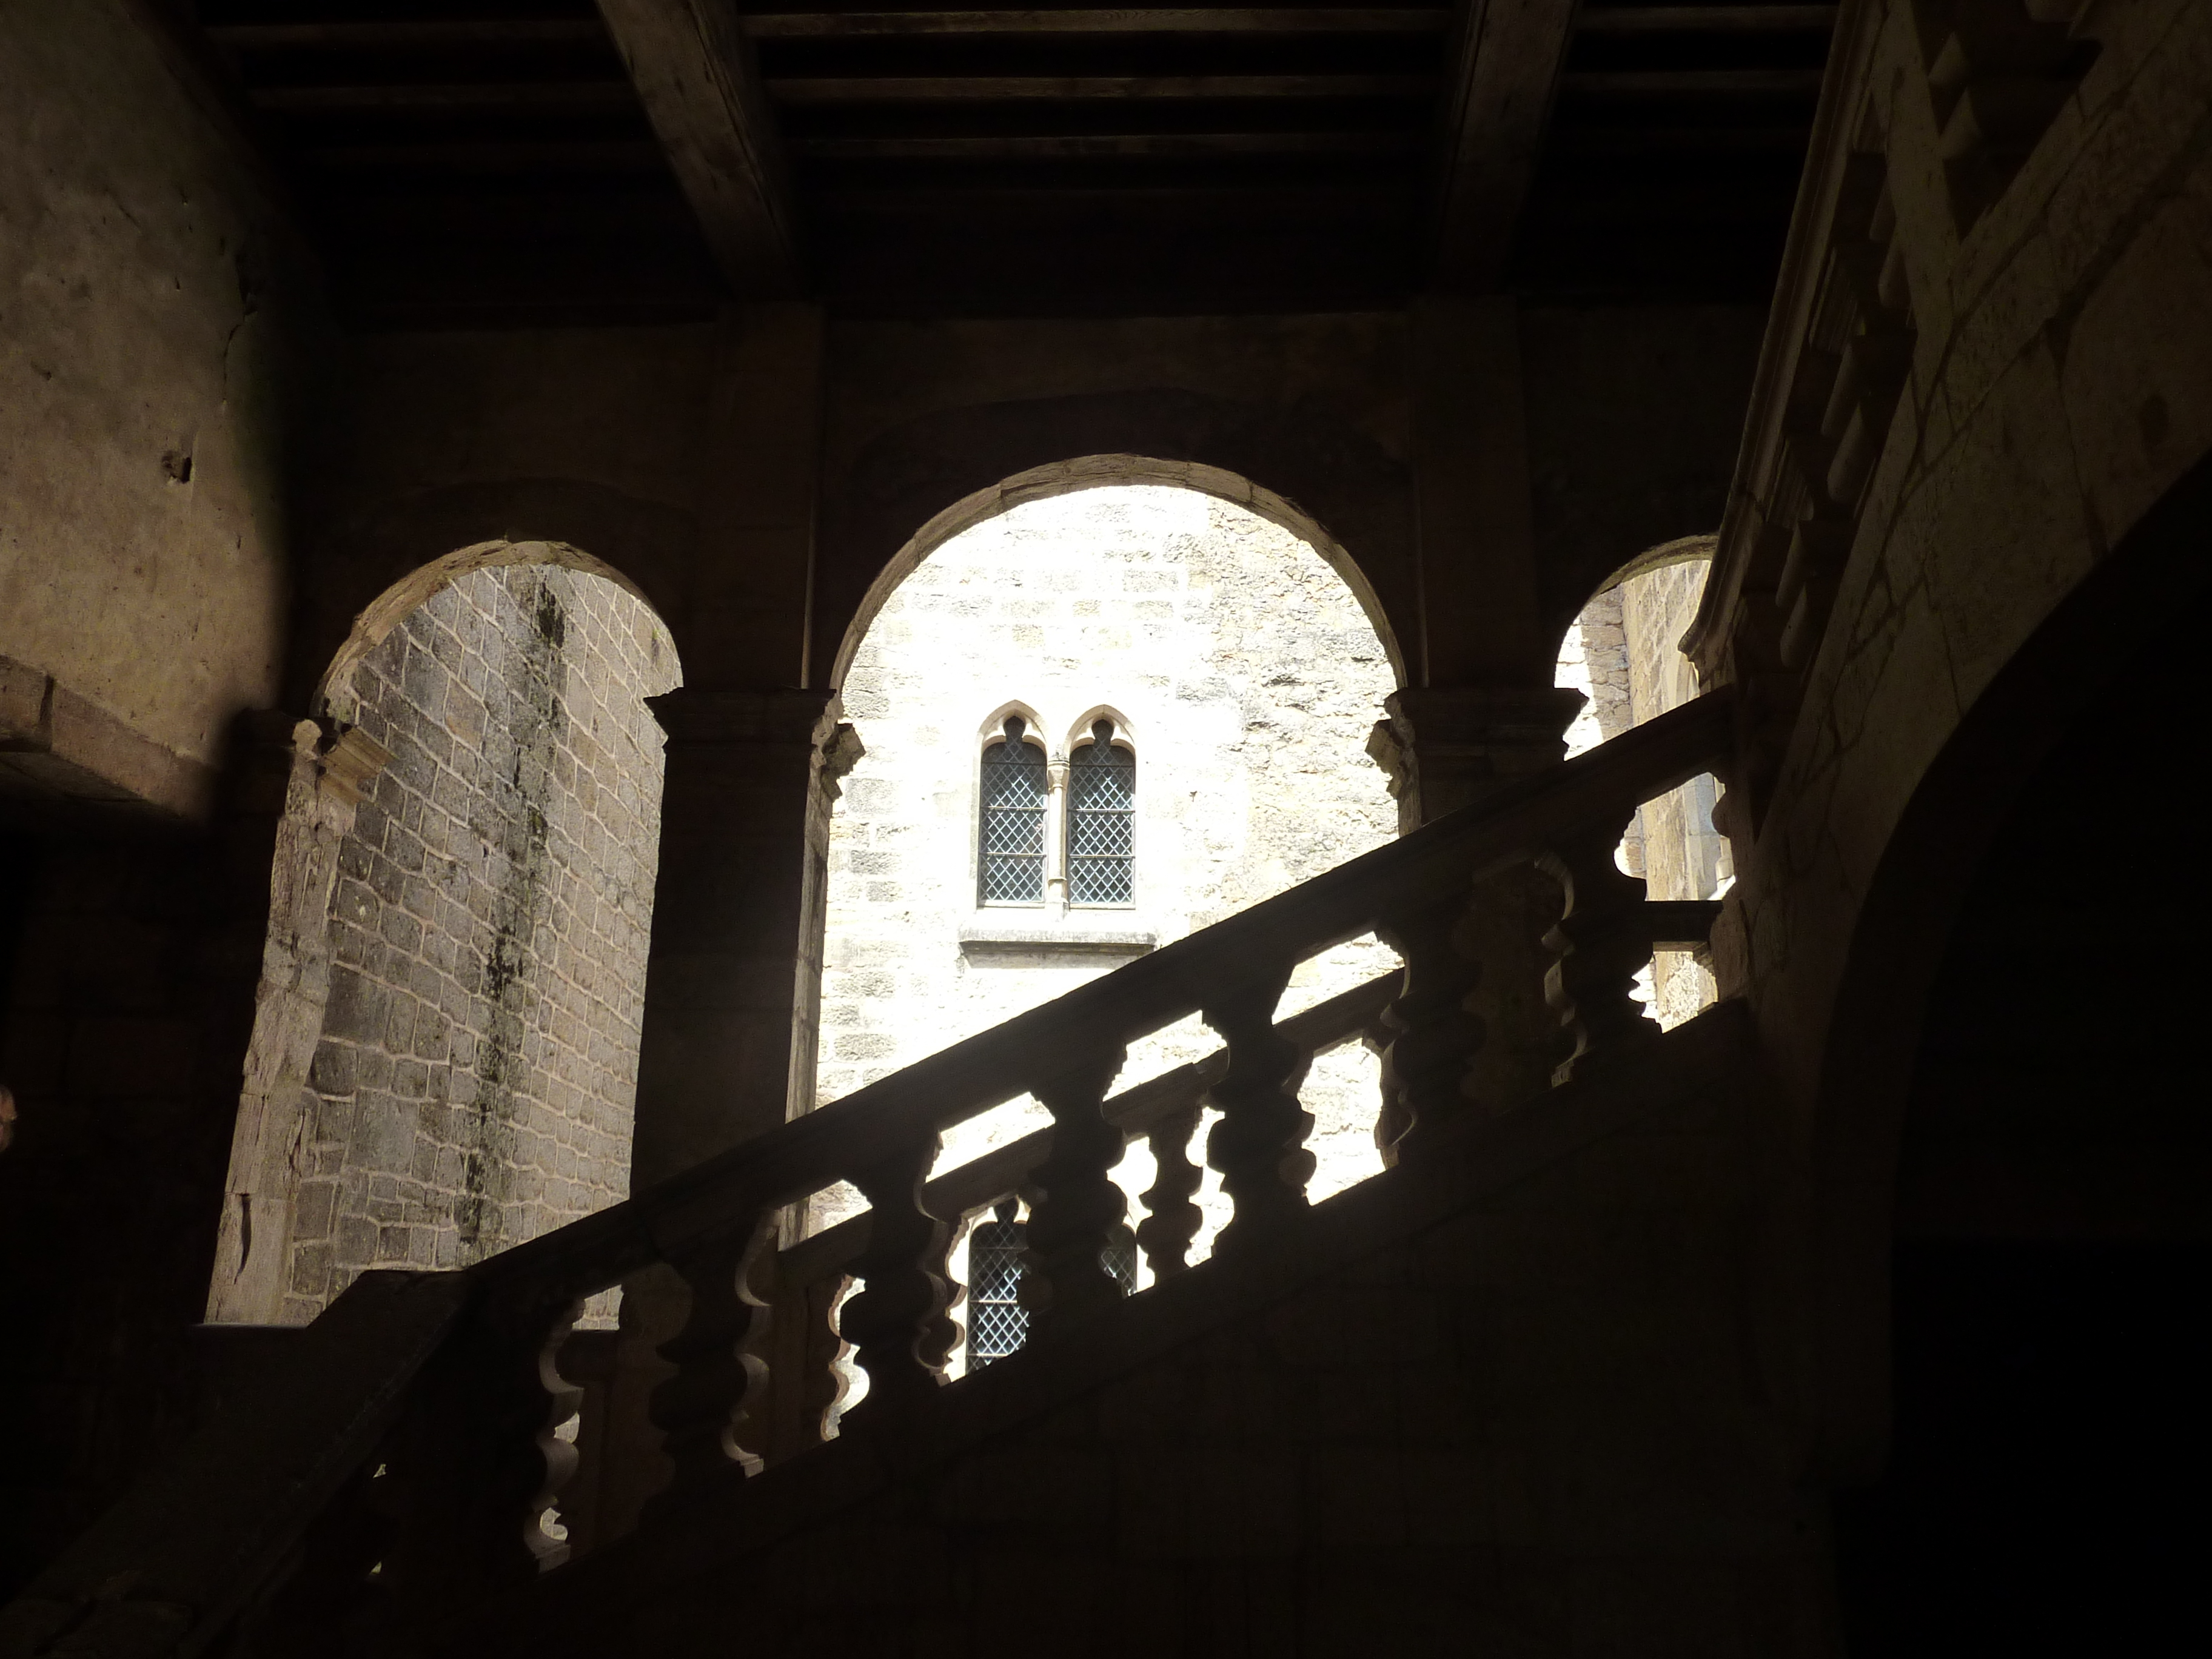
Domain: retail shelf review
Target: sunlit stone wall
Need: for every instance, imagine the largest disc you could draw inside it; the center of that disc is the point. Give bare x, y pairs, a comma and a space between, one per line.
1246, 675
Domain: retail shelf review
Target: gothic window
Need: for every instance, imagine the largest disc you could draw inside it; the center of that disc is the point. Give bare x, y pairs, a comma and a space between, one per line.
1101, 808
1014, 788
998, 1324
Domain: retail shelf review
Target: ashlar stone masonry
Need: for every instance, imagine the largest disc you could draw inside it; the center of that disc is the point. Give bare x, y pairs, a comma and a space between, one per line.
478, 1063
1243, 671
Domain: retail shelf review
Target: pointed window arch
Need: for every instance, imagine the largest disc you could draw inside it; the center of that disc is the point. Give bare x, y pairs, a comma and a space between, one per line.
1015, 787
1102, 817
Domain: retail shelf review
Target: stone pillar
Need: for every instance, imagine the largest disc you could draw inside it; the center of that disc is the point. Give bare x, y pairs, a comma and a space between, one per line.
1442, 751
749, 617
1480, 622
1482, 708
732, 990
727, 1047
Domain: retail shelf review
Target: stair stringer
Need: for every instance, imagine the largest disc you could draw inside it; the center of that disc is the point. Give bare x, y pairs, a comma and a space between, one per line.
1514, 1397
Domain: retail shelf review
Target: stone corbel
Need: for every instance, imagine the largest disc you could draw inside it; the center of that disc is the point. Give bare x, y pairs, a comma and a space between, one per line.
842, 751
348, 760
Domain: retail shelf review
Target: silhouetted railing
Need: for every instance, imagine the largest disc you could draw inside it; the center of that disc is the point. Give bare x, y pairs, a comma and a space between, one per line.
441, 1451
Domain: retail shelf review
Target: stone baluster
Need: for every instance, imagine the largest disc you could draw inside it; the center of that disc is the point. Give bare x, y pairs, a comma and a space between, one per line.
719, 1368
824, 1379
896, 1322
482, 1458
1259, 1145
1376, 1038
338, 1581
1076, 1206
806, 1383
1602, 939
557, 1458
1478, 1034
1434, 1034
1171, 1219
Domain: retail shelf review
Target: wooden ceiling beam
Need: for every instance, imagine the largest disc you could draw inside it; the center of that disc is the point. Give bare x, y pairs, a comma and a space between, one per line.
1706, 20
404, 35
1638, 138
499, 156
694, 70
1504, 71
1699, 83
1070, 89
1108, 146
873, 25
514, 96
1094, 207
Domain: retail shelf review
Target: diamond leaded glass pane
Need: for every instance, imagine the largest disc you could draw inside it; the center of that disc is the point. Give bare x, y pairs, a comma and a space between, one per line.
1013, 823
1102, 836
998, 1324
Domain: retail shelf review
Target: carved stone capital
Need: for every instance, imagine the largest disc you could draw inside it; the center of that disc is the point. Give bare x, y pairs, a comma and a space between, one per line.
691, 715
1442, 746
840, 752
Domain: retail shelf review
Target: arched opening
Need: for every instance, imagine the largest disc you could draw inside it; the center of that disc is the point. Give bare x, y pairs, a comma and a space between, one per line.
2051, 1230
444, 1055
1623, 652
1092, 472
1095, 722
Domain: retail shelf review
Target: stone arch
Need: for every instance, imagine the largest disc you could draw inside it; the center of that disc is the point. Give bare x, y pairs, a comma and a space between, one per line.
1125, 733
411, 543
447, 1028
415, 589
1599, 720
992, 727
1236, 663
1329, 481
1623, 653
1682, 550
1868, 1028
1100, 471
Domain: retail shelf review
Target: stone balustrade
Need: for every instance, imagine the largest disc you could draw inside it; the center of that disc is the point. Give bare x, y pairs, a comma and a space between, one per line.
442, 1489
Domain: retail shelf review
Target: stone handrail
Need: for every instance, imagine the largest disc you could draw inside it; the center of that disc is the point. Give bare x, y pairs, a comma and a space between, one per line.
1140, 1113
453, 1452
1520, 821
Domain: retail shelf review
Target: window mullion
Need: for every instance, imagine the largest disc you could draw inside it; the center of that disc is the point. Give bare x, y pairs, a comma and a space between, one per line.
1055, 835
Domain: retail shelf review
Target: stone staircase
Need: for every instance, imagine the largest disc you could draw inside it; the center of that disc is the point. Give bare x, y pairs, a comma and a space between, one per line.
1512, 1396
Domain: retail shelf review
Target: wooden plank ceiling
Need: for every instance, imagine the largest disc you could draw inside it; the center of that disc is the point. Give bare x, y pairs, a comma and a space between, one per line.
489, 160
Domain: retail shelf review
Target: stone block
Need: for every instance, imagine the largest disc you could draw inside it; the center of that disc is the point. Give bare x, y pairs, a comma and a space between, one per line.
334, 1069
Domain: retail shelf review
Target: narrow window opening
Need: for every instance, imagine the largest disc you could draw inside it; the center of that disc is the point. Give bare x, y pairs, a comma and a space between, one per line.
1014, 791
1102, 837
997, 1323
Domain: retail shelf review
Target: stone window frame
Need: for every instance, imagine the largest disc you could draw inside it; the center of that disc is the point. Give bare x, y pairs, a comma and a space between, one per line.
991, 733
1081, 736
1055, 905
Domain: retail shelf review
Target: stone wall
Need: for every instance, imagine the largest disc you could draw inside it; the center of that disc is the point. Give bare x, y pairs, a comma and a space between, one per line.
2058, 395
159, 330
1245, 674
1634, 416
478, 1063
